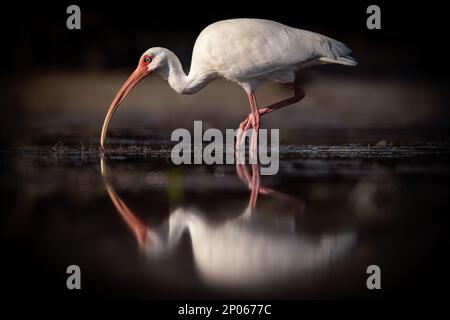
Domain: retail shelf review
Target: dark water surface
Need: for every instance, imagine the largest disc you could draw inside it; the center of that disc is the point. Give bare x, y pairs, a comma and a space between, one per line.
139, 226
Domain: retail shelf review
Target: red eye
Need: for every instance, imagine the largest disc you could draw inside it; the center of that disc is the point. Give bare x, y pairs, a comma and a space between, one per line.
147, 59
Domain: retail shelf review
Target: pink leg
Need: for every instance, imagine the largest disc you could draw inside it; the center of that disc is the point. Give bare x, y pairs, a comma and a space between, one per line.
253, 182
299, 94
255, 186
242, 172
254, 123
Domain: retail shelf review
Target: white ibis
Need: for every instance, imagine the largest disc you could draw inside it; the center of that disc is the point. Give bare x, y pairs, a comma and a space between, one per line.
246, 51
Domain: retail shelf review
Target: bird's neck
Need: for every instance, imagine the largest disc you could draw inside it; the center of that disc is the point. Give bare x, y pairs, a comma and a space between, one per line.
180, 82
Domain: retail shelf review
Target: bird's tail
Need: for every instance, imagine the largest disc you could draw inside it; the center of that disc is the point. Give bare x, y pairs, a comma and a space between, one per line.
333, 51
347, 60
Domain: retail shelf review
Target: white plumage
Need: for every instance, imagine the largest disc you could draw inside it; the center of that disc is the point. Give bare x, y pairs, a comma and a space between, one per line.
246, 51
247, 251
250, 51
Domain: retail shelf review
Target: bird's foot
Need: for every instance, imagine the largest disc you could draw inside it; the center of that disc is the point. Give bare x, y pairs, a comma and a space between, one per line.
249, 122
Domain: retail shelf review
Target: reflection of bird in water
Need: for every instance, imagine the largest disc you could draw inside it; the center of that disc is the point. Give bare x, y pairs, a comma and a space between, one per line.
246, 51
245, 251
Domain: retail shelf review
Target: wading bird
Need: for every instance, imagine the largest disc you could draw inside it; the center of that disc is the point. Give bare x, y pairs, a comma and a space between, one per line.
246, 51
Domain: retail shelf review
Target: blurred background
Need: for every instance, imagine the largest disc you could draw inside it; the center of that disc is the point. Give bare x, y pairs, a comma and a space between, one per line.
365, 154
57, 83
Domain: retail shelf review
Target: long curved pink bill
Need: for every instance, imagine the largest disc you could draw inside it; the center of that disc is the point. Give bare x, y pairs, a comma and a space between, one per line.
131, 82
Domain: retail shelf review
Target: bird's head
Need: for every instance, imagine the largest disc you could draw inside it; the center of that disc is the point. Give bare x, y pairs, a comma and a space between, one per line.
153, 60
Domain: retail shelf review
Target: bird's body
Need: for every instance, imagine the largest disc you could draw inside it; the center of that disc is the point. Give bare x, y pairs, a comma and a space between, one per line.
246, 51
252, 51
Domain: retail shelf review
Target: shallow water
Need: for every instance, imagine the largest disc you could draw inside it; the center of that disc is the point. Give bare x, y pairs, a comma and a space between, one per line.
139, 226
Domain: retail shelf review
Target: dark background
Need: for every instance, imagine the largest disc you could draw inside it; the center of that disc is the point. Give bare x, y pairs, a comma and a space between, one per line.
35, 35
411, 46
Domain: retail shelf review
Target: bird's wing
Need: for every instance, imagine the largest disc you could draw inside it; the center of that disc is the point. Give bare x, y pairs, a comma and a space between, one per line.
249, 47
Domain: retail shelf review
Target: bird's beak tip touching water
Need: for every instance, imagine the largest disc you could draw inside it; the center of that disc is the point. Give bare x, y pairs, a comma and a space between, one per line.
131, 82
